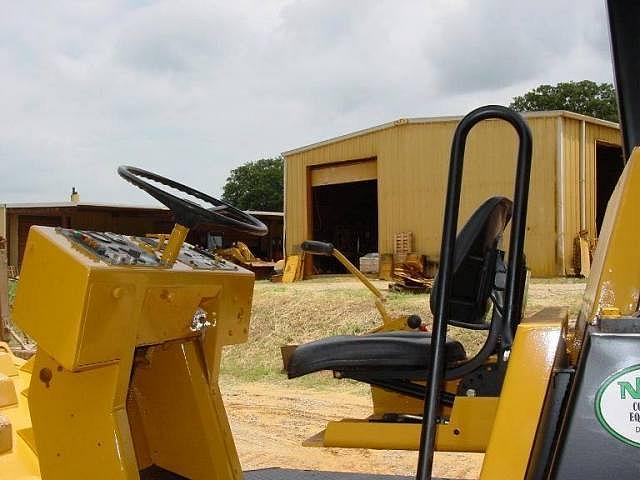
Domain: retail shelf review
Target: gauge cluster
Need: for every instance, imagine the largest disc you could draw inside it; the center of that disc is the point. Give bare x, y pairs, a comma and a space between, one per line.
116, 249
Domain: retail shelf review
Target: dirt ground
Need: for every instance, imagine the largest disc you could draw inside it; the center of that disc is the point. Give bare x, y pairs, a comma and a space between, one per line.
270, 423
271, 419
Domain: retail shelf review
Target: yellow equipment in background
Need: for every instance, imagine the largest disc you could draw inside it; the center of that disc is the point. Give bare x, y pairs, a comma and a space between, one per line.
240, 254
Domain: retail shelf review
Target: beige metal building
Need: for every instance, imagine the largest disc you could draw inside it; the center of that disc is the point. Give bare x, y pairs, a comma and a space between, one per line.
360, 189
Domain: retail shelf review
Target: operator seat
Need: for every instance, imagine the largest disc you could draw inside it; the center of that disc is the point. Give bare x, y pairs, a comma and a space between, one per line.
406, 354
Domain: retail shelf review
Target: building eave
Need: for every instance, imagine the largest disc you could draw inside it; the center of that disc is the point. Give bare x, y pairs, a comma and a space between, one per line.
109, 206
443, 119
34, 205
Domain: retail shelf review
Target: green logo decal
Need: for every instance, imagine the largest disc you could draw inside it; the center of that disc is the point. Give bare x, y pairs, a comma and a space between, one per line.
617, 405
626, 387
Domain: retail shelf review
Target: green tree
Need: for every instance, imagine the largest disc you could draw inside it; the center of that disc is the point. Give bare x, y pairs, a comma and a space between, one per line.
589, 98
256, 185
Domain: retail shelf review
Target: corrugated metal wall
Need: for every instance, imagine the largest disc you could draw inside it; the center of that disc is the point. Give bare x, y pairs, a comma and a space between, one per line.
578, 145
412, 165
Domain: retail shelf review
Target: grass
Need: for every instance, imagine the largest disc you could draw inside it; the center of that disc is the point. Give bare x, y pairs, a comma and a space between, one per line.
309, 310
304, 311
13, 286
294, 314
11, 291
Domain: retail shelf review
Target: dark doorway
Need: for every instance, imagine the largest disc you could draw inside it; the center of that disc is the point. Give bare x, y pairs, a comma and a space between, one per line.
609, 166
345, 214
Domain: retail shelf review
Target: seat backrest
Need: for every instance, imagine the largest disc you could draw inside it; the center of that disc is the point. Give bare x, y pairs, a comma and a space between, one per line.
474, 266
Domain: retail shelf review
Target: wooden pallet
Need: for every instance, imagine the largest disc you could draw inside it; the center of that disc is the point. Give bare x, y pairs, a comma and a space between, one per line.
12, 271
403, 243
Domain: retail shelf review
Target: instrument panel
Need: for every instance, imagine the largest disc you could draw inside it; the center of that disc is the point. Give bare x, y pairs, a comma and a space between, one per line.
124, 250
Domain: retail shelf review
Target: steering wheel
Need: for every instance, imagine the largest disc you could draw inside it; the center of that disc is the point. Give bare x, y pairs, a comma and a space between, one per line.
188, 213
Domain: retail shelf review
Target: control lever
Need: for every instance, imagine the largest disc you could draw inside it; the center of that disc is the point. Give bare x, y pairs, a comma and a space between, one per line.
414, 322
314, 247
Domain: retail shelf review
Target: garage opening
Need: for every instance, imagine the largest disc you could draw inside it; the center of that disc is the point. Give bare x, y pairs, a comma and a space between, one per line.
345, 214
609, 166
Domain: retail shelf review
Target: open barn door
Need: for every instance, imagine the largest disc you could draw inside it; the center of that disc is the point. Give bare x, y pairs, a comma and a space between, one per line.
344, 204
609, 166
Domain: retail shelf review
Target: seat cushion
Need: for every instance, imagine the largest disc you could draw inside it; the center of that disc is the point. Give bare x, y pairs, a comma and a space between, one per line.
473, 265
401, 350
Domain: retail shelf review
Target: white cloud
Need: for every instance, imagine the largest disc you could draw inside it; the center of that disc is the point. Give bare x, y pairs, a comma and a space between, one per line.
192, 89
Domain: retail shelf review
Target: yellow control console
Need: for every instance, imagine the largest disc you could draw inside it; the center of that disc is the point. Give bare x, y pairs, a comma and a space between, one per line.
129, 346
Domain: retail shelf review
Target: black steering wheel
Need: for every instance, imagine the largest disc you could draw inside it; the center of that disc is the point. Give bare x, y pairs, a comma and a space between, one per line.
190, 213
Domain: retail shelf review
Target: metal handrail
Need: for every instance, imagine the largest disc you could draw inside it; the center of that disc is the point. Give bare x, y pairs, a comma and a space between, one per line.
513, 293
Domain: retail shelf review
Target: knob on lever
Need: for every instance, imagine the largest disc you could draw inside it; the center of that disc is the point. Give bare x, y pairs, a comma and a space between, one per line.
315, 247
414, 321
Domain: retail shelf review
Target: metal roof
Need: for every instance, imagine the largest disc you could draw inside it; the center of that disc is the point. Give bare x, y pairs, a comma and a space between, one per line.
83, 204
443, 119
115, 205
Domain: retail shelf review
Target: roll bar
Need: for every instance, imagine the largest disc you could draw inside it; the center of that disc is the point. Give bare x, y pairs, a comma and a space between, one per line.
514, 289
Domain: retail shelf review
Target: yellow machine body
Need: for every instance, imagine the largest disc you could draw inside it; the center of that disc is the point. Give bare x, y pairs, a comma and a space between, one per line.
124, 377
614, 283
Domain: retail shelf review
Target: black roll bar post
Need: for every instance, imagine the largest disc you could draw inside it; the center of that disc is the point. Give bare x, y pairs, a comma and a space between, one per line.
513, 297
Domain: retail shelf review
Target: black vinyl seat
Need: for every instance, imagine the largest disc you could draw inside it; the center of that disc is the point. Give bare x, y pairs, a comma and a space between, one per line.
406, 354
397, 351
474, 265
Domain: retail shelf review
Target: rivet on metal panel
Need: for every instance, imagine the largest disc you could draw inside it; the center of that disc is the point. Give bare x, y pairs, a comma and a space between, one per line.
168, 296
45, 376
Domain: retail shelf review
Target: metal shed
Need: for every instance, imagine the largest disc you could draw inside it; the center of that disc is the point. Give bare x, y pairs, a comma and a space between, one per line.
16, 219
360, 189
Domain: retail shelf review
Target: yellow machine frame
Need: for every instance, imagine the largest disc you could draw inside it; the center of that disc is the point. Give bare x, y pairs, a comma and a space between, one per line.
121, 380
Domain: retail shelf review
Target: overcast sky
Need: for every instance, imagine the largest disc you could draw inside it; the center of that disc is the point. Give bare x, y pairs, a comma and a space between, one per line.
192, 89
